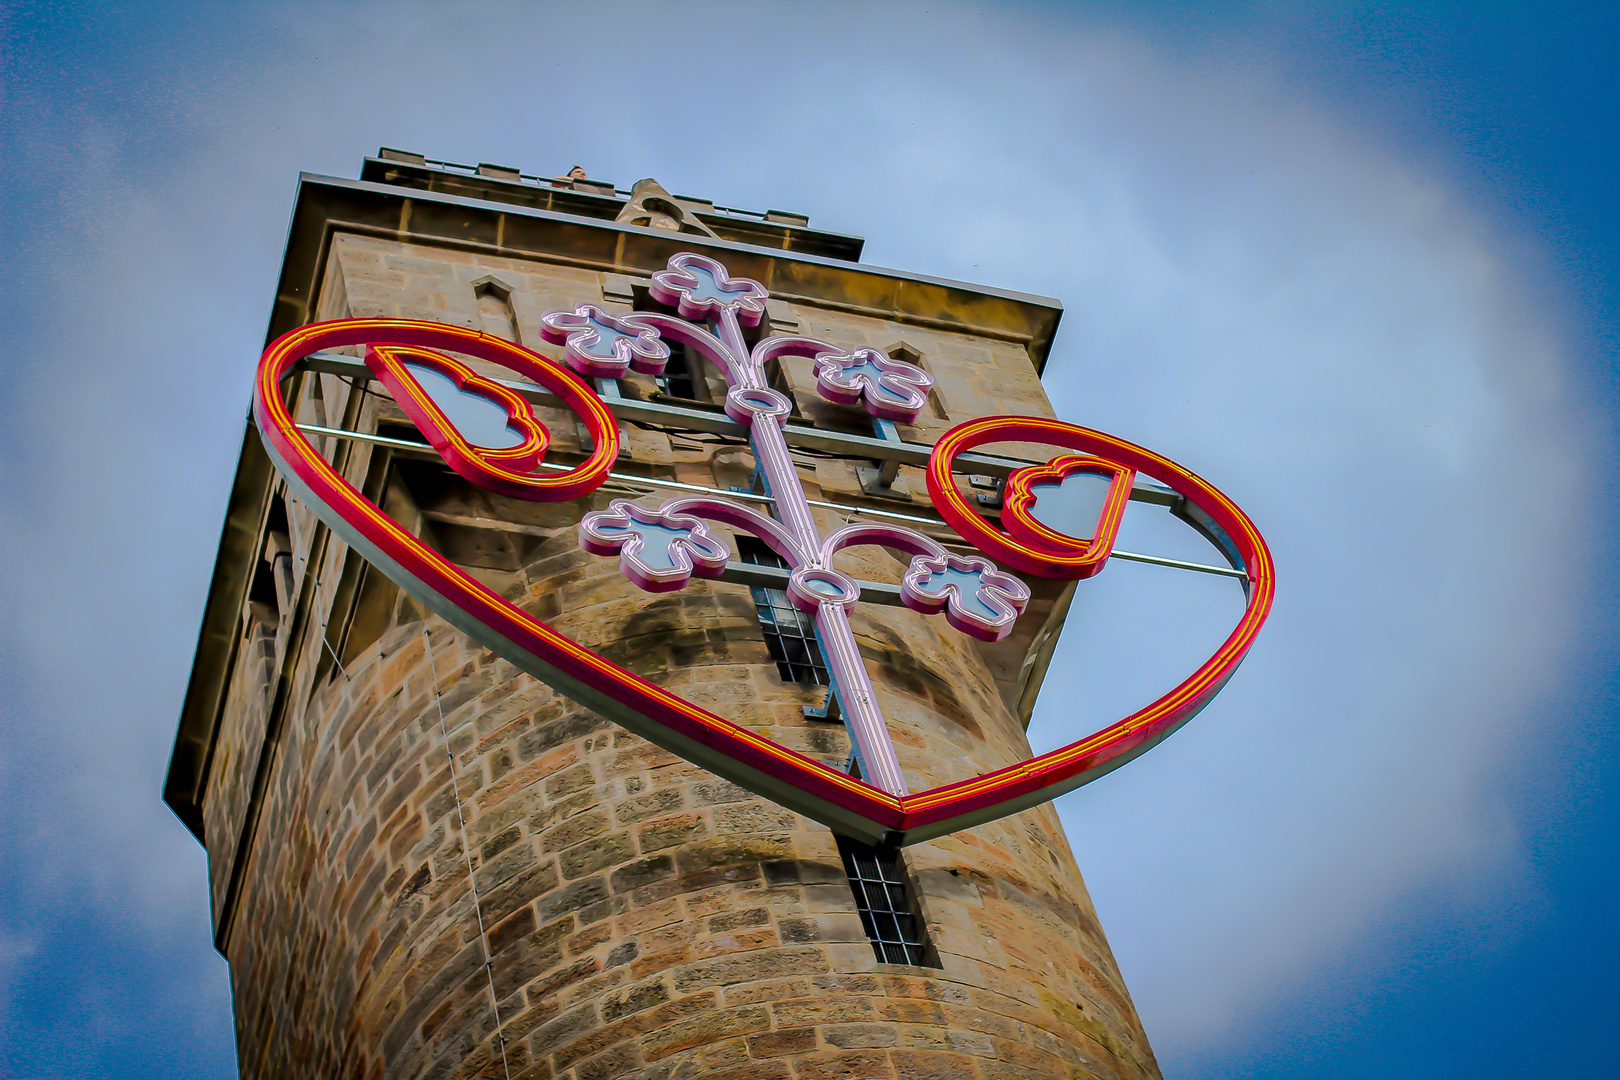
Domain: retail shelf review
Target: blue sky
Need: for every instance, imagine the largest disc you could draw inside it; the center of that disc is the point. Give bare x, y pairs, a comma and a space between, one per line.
1356, 263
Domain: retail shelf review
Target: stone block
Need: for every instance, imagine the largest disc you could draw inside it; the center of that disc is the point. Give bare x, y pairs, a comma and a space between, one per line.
651, 804
844, 1065
762, 964
638, 997
641, 873
925, 1065
812, 1012
594, 855
621, 1061
705, 1028
773, 1069
563, 1030
575, 830
733, 920
574, 897
672, 831
852, 1036
768, 990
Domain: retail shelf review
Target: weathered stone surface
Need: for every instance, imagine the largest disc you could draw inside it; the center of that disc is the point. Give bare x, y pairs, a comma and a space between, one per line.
643, 918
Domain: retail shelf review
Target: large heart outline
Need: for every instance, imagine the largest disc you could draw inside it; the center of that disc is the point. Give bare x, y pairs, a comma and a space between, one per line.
729, 750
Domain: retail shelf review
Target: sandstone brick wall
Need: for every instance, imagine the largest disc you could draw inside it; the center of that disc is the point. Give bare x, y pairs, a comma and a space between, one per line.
241, 738
645, 918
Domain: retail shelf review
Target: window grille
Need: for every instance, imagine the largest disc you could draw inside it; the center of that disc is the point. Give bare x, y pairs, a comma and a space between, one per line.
881, 897
679, 377
790, 634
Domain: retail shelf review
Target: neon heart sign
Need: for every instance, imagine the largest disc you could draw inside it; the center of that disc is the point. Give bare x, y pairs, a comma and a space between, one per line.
661, 549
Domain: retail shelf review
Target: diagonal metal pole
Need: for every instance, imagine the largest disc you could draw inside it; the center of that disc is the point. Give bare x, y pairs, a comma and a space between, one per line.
866, 726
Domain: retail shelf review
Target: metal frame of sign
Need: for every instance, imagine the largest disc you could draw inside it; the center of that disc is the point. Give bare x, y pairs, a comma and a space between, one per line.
659, 549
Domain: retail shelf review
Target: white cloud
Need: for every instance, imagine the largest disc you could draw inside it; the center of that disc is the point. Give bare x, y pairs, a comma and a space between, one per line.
15, 950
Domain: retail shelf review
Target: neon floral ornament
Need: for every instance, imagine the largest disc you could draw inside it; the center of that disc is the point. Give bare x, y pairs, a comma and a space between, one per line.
660, 549
977, 599
891, 389
601, 346
700, 288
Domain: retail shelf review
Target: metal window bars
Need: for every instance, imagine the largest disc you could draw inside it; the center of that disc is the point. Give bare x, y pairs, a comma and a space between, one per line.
884, 903
790, 634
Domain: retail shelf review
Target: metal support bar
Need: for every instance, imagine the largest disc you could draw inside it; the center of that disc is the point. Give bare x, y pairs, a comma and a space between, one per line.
1157, 560
831, 708
428, 451
890, 467
716, 422
879, 482
676, 485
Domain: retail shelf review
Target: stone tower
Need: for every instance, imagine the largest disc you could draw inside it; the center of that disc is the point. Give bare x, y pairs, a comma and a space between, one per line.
426, 864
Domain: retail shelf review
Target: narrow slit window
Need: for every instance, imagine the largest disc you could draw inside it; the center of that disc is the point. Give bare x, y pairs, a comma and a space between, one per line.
790, 634
884, 902
496, 315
